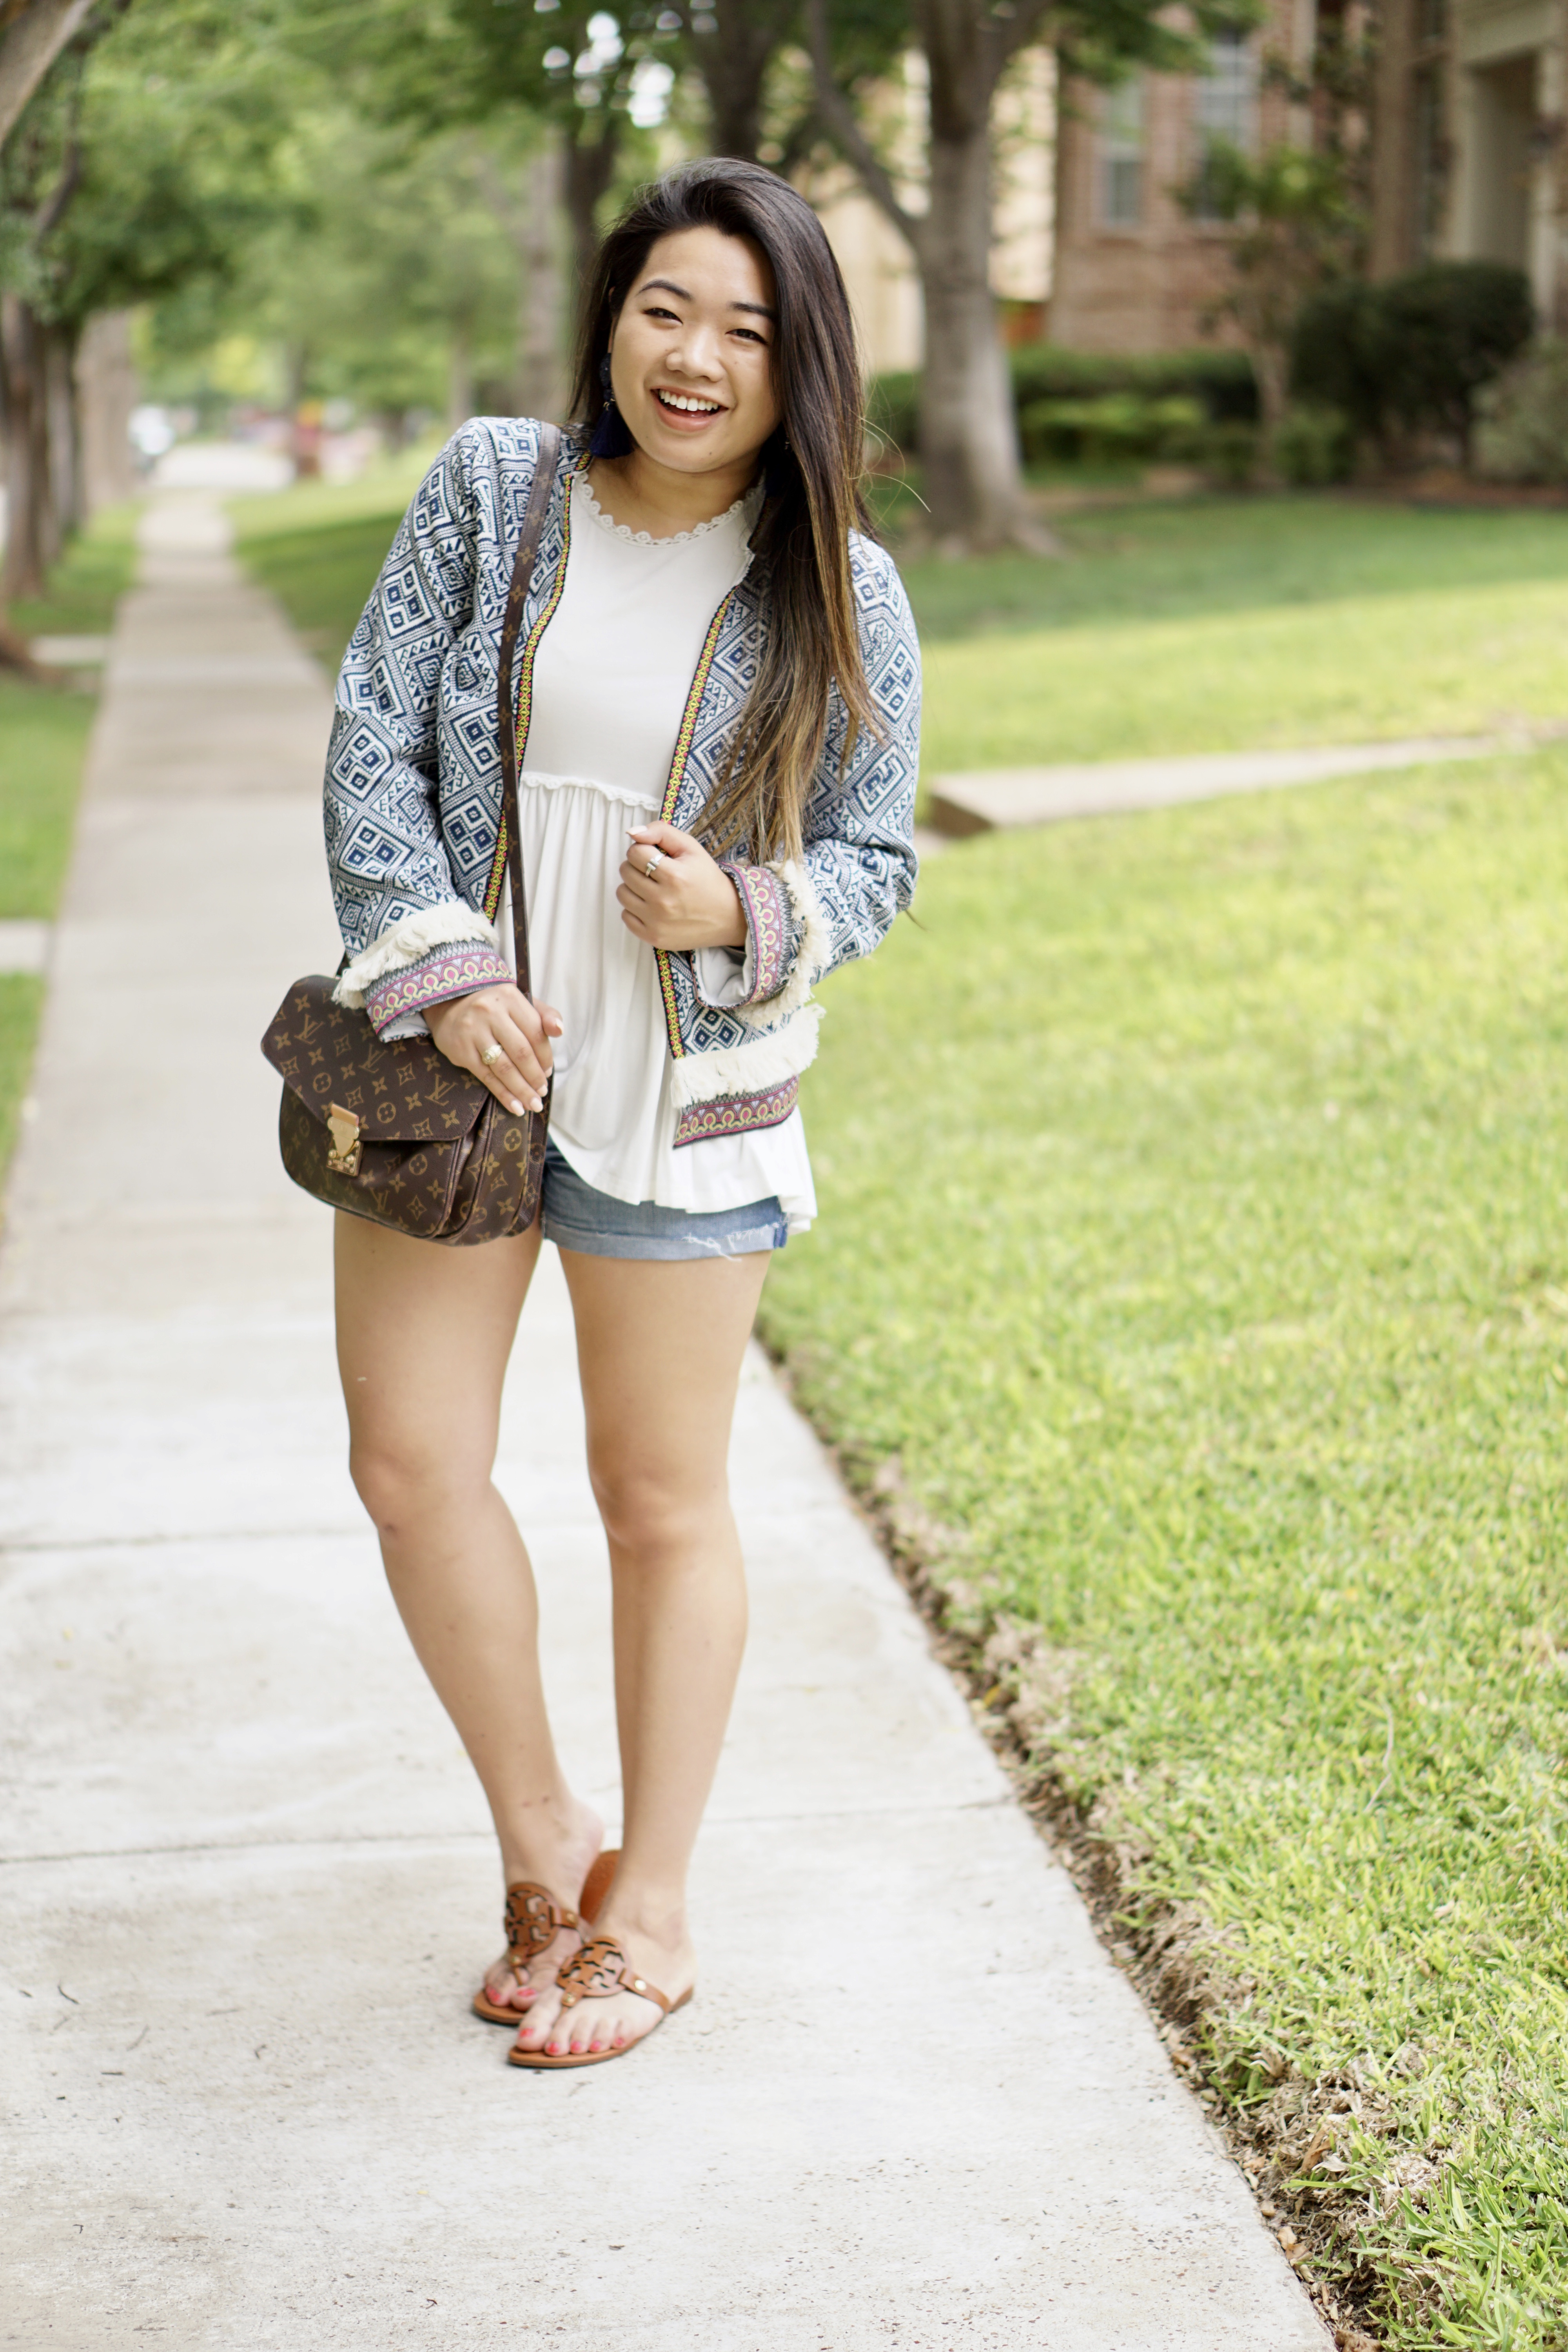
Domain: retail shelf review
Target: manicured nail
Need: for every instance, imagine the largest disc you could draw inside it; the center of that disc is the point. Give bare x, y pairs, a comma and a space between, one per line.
516, 1110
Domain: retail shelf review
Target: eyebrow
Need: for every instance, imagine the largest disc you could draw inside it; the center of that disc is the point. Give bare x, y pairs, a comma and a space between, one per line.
668, 286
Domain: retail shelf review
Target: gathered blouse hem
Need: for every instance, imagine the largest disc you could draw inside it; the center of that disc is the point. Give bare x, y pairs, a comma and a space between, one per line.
541, 780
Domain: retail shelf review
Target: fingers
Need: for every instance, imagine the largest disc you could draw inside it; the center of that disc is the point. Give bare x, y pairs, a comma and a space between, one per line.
515, 1035
667, 837
520, 1079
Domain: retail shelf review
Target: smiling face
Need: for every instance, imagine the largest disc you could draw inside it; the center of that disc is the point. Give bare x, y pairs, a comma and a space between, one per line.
691, 357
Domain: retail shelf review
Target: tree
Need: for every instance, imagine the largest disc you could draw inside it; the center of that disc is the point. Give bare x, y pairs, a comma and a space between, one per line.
969, 437
1296, 226
121, 183
32, 34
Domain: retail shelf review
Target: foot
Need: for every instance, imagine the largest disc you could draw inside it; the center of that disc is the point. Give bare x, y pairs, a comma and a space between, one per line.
658, 1948
560, 1868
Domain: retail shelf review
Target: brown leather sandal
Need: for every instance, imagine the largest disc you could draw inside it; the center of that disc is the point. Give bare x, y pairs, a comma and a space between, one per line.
595, 1973
532, 1923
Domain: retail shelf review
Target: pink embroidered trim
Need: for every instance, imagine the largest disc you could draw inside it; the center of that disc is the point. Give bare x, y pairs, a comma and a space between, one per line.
767, 916
736, 1114
435, 980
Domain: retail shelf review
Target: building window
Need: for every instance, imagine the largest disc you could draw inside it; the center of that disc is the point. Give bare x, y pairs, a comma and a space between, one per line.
1429, 158
1225, 110
1121, 155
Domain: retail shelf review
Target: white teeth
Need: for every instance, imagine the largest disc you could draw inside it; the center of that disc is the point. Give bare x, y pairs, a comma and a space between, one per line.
681, 400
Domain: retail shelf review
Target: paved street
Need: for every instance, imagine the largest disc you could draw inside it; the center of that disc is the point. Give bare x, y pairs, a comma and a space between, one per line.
248, 1883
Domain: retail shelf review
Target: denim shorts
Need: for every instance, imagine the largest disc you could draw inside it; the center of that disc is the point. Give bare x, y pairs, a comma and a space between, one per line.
576, 1217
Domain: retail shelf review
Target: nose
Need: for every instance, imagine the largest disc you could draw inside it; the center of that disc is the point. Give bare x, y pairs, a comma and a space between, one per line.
696, 351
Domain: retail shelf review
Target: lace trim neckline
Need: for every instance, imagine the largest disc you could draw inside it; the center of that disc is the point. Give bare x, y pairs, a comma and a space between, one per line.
736, 513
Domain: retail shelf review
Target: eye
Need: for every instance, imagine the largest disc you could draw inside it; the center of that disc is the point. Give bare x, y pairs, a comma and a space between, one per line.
658, 310
751, 336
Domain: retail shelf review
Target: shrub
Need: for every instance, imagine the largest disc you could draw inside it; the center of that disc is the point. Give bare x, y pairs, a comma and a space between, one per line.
1227, 454
1120, 427
1413, 354
1522, 430
1218, 383
1312, 446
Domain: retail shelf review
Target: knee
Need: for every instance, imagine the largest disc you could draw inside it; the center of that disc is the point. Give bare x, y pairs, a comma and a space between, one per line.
402, 1490
653, 1518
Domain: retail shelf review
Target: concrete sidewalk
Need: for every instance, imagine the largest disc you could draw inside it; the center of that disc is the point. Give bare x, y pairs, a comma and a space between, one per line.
247, 1880
1001, 799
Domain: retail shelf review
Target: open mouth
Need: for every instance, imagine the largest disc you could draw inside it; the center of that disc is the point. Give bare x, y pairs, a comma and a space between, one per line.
688, 403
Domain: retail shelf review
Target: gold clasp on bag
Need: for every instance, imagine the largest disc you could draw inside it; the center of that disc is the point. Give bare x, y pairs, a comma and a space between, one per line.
343, 1156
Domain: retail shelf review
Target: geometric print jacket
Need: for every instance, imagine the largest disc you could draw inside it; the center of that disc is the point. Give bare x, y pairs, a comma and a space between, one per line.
413, 786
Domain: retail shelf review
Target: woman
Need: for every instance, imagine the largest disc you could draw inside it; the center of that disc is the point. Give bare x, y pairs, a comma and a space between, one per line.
718, 719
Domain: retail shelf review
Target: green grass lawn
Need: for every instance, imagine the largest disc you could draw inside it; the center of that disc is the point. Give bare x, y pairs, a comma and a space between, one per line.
45, 731
1194, 1249
318, 547
1222, 624
1190, 626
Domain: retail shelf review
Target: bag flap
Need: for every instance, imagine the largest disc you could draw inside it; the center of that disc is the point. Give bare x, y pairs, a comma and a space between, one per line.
402, 1092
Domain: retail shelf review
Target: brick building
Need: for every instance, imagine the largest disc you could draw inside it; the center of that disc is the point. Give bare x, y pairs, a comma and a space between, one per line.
1470, 162
1470, 158
1135, 271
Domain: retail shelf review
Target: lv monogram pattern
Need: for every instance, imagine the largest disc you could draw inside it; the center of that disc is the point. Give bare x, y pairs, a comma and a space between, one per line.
439, 1157
414, 782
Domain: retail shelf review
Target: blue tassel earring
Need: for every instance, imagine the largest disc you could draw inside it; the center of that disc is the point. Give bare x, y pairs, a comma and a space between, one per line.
611, 437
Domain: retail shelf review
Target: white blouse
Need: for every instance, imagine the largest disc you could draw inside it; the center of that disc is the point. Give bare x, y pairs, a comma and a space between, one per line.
611, 676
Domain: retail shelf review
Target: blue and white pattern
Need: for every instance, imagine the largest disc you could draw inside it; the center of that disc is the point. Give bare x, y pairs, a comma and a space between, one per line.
413, 773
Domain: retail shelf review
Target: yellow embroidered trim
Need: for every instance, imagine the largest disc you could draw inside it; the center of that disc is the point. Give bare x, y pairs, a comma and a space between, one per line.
525, 694
672, 793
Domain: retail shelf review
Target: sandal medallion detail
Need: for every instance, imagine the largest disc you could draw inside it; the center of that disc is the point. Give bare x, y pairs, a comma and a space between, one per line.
599, 1971
533, 1922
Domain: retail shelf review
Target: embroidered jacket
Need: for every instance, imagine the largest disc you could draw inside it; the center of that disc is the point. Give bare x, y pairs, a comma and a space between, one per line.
414, 785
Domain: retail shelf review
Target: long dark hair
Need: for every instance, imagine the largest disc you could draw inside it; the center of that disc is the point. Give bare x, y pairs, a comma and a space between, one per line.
801, 542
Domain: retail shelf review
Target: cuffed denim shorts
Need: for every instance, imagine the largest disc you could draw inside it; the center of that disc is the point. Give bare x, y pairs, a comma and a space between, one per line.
576, 1217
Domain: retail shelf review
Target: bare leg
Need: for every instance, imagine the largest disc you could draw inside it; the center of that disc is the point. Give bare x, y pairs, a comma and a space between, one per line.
424, 1334
660, 1344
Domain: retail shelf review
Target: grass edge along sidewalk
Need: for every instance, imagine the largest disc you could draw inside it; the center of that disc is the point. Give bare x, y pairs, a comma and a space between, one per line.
46, 729
1191, 1299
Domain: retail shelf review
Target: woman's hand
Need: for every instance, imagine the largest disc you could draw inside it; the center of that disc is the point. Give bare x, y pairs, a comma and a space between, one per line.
469, 1027
687, 901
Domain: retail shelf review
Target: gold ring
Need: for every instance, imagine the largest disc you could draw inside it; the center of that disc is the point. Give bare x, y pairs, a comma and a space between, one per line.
490, 1056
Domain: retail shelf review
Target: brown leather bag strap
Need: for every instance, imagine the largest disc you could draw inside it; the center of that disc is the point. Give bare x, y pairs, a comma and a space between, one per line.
546, 466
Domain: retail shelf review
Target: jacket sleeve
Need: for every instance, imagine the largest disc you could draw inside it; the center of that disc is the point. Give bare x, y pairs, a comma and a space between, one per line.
805, 916
413, 939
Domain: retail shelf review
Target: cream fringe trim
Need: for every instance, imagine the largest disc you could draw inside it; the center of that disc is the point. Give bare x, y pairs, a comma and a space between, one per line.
813, 956
747, 1069
406, 943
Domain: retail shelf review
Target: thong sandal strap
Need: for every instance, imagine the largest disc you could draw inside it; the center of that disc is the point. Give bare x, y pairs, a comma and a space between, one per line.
600, 1969
533, 1922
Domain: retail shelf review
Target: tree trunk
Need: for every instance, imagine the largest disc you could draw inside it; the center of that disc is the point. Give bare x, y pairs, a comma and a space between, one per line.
1271, 373
733, 61
63, 433
969, 429
29, 523
539, 392
106, 393
590, 166
32, 40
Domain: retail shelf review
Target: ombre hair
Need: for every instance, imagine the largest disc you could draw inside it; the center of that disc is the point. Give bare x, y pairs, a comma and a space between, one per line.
800, 545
